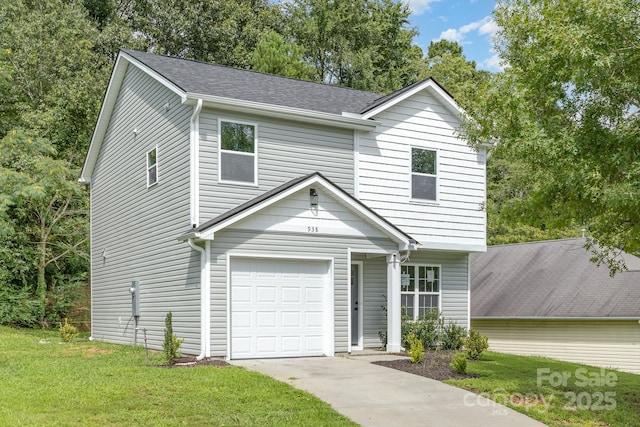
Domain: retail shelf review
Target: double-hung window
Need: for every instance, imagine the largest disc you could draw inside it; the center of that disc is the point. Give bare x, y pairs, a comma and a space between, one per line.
238, 143
152, 167
424, 174
419, 289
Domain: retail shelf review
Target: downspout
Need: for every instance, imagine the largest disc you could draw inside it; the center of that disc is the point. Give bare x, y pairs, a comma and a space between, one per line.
203, 295
194, 142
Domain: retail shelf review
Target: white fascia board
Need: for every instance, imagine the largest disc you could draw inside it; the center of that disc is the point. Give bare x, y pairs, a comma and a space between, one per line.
108, 104
429, 84
453, 247
102, 123
155, 75
394, 234
282, 112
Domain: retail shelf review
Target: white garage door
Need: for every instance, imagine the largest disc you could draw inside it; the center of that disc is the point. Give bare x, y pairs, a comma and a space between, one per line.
277, 308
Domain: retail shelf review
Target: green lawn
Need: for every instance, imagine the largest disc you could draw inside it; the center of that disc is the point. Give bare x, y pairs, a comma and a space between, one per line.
86, 384
560, 394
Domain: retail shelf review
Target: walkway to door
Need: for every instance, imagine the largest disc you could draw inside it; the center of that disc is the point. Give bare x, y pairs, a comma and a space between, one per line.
373, 395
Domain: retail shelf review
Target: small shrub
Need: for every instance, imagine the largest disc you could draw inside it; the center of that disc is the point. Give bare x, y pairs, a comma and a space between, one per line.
427, 329
459, 363
171, 342
475, 344
416, 350
453, 336
67, 331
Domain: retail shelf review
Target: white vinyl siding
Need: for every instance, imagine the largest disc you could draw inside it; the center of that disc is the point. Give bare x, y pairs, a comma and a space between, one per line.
456, 221
286, 150
606, 343
135, 227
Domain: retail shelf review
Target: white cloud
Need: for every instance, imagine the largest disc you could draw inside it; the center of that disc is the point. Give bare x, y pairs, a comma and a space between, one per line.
418, 7
452, 35
484, 26
493, 63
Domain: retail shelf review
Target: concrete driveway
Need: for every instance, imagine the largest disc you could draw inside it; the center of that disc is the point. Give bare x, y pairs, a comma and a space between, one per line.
373, 395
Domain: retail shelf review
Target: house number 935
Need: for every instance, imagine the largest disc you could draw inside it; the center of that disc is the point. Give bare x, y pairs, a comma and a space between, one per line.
312, 229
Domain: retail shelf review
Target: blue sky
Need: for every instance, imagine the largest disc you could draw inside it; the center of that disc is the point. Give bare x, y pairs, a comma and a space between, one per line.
469, 22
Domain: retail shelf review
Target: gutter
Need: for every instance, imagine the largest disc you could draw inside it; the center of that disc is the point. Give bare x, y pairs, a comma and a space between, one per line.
205, 302
278, 111
194, 145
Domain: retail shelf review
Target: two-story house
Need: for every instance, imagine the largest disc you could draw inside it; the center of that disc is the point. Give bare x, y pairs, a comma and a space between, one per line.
275, 217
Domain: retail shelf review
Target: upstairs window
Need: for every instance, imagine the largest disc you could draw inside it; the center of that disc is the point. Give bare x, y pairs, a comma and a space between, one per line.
152, 167
419, 290
237, 153
424, 174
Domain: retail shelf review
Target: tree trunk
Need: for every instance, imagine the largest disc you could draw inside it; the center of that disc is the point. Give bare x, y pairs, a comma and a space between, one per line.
41, 290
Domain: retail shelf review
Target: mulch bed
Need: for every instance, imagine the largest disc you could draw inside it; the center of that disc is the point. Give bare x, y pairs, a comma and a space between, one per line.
189, 362
435, 365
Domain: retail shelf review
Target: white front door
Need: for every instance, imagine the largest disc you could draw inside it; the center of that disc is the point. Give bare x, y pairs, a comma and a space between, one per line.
278, 308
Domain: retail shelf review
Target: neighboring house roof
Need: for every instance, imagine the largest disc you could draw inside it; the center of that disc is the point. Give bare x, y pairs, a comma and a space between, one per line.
551, 279
207, 229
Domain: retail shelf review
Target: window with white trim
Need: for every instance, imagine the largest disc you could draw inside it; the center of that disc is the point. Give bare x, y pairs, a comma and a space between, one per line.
419, 289
152, 167
237, 152
424, 174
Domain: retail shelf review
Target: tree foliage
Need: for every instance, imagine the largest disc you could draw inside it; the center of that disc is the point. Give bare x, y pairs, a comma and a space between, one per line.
224, 32
43, 212
364, 44
568, 109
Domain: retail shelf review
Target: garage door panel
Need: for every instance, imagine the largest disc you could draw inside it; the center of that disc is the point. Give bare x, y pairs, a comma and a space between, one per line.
277, 308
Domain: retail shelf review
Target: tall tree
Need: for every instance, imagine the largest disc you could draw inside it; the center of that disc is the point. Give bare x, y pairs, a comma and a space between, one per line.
274, 55
568, 105
224, 32
43, 212
364, 44
448, 65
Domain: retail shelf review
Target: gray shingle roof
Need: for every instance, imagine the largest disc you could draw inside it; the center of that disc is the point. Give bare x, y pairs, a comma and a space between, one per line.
210, 79
551, 279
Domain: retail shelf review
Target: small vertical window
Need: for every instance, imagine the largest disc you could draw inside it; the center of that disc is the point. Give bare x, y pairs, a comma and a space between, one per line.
152, 167
237, 152
424, 174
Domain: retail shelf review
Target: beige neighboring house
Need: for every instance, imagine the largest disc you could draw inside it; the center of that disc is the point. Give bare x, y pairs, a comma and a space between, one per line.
548, 299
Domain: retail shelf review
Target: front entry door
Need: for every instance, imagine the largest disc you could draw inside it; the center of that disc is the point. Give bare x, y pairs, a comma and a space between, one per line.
356, 305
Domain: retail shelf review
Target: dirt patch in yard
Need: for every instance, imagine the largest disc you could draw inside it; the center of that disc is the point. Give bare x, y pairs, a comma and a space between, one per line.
435, 365
189, 362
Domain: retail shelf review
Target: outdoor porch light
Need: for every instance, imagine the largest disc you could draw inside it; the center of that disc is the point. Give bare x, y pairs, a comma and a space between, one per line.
313, 198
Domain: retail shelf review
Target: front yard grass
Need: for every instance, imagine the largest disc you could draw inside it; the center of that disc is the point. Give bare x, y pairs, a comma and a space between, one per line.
89, 383
560, 394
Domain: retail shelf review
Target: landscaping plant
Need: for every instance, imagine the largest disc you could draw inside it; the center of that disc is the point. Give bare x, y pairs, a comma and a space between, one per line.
475, 344
459, 363
67, 331
171, 342
452, 336
416, 349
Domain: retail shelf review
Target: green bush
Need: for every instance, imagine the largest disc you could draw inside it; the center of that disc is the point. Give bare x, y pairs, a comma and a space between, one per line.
459, 363
475, 344
67, 331
416, 350
427, 329
171, 342
452, 336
